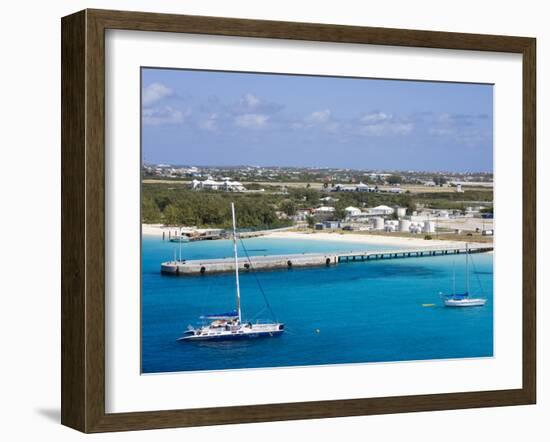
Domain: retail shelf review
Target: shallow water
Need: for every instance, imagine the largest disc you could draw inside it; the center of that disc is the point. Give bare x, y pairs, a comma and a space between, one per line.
350, 313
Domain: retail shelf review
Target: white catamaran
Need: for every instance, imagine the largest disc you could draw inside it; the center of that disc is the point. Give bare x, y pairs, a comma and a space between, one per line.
230, 326
463, 299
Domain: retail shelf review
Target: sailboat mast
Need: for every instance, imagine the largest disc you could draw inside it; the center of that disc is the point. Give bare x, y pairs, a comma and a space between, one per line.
181, 228
236, 261
467, 271
454, 277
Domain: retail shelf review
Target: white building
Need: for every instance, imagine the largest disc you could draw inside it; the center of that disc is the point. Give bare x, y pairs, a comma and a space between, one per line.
352, 211
379, 176
343, 188
300, 215
210, 184
393, 190
401, 212
361, 187
324, 209
381, 210
324, 212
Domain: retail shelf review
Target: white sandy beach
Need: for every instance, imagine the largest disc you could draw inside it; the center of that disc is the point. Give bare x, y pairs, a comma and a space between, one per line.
157, 229
358, 238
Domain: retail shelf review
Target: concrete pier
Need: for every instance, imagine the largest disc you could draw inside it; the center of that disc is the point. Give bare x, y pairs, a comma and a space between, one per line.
271, 262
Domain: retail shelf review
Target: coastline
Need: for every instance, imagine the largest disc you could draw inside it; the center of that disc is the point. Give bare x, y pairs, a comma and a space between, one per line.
156, 229
358, 238
372, 239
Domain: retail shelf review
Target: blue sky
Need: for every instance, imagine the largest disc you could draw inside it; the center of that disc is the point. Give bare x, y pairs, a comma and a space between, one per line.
224, 118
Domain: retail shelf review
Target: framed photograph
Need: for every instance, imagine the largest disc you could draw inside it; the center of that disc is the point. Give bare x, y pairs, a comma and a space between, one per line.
267, 221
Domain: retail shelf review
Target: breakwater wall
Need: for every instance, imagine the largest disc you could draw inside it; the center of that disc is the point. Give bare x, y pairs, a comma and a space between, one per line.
271, 262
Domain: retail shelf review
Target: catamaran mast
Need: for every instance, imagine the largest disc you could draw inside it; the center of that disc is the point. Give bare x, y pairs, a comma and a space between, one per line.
236, 261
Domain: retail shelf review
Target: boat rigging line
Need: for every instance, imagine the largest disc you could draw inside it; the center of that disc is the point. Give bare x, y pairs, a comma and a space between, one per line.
258, 280
477, 276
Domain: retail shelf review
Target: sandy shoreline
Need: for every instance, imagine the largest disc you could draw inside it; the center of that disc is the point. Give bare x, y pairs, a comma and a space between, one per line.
366, 239
158, 229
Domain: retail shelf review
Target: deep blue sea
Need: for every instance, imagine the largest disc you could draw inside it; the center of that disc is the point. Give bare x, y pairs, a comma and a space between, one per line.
349, 313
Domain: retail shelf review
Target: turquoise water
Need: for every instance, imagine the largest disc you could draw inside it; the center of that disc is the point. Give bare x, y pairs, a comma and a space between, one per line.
350, 313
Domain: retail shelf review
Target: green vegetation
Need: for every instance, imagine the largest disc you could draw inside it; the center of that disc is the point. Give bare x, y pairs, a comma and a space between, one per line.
468, 195
181, 206
288, 207
395, 179
439, 180
454, 200
175, 204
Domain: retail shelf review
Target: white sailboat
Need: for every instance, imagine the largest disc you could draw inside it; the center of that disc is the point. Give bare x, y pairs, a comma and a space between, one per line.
463, 299
230, 326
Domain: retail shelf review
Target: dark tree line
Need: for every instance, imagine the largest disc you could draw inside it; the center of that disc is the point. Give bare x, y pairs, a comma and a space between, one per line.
180, 206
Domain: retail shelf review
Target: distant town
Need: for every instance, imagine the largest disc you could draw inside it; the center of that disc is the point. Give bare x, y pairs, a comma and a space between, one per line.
333, 178
446, 204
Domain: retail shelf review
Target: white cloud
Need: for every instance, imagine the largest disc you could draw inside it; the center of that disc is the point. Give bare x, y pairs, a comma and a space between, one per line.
402, 128
378, 124
164, 115
254, 121
467, 135
155, 92
441, 131
210, 123
321, 116
334, 126
375, 117
251, 101
252, 104
386, 128
467, 129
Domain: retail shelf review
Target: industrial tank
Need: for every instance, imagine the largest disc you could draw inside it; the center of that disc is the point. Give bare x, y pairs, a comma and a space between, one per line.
429, 227
404, 225
378, 223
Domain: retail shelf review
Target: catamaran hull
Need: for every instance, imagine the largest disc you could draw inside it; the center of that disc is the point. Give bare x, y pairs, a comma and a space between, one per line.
232, 336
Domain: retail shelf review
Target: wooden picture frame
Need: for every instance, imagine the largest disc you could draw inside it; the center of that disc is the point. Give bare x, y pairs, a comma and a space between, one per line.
83, 220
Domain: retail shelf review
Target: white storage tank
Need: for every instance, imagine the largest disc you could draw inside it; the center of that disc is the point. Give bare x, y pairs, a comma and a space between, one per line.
429, 227
401, 212
378, 223
404, 225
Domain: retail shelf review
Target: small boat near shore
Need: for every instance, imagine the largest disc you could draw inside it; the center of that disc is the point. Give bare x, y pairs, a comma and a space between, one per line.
463, 299
181, 238
464, 302
230, 326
